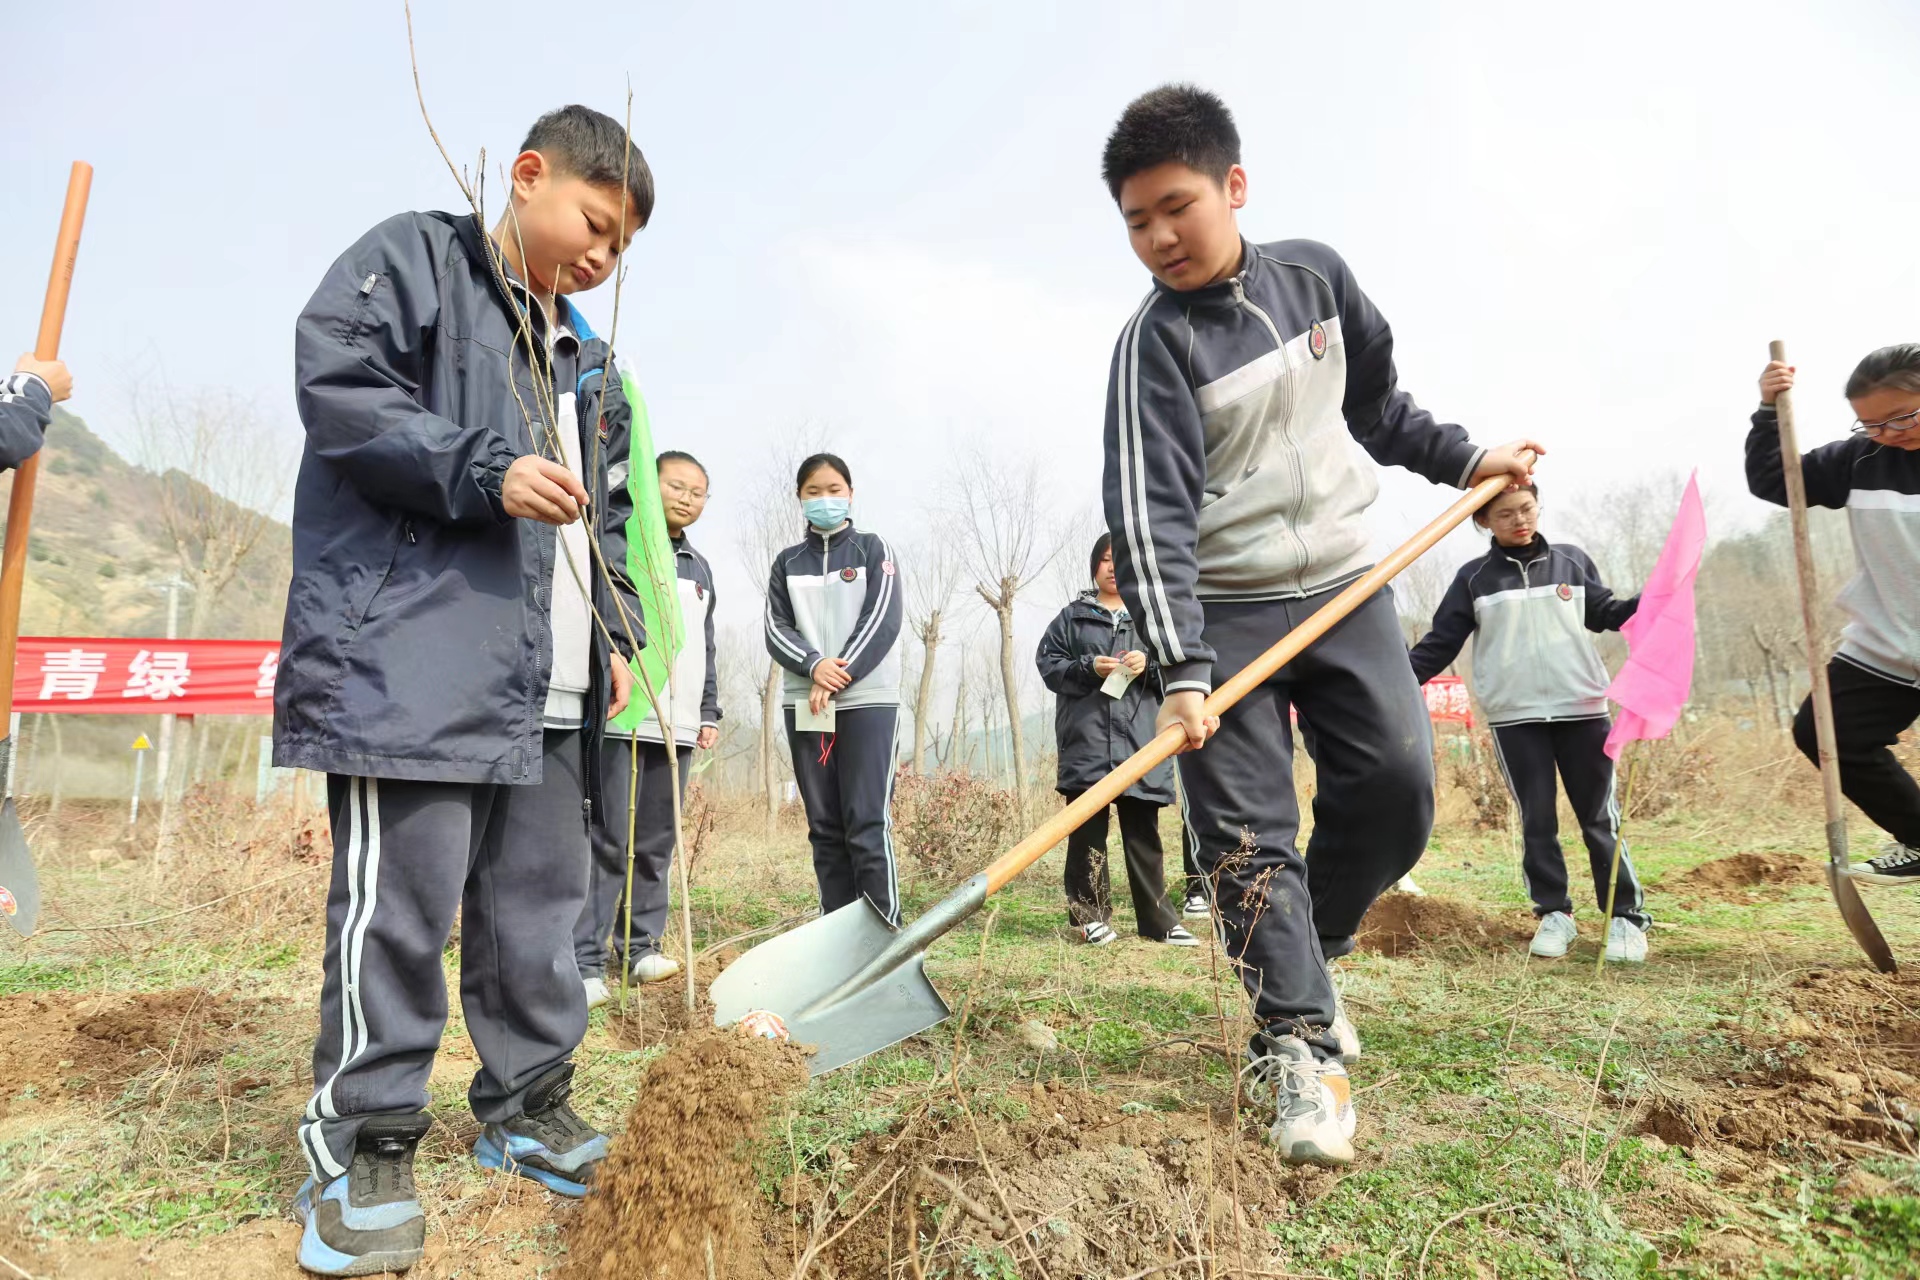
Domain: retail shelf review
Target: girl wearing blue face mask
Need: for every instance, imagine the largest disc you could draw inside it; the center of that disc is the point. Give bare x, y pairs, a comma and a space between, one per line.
833, 625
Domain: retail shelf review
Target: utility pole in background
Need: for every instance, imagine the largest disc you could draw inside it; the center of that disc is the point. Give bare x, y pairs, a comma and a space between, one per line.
164, 762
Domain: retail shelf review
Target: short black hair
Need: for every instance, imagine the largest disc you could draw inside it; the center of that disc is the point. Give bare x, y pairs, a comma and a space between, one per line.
1101, 545
1895, 366
818, 460
1531, 486
677, 455
594, 147
1174, 122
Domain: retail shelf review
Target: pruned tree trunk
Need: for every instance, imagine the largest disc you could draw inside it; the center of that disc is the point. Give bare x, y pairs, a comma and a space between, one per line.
923, 706
1010, 687
772, 730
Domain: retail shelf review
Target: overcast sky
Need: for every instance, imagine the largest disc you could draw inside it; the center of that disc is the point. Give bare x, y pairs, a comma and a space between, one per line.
1584, 223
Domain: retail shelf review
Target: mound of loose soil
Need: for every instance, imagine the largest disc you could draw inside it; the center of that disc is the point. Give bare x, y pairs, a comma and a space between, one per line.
1735, 878
1062, 1181
1403, 922
1844, 1070
62, 1043
656, 1012
676, 1188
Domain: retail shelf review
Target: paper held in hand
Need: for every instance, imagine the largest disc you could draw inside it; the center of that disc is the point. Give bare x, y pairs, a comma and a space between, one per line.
1117, 682
805, 721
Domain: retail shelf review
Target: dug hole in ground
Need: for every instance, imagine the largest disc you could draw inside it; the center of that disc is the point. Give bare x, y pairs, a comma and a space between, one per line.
1743, 1105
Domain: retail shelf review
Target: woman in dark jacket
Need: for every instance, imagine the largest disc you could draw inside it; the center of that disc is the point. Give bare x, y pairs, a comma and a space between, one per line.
1108, 695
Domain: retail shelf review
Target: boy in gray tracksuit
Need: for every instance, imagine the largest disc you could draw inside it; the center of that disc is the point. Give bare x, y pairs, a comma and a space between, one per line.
1528, 606
635, 764
441, 665
1241, 396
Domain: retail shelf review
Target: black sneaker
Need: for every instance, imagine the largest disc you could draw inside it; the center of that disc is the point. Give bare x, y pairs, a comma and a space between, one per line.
547, 1142
368, 1219
1897, 864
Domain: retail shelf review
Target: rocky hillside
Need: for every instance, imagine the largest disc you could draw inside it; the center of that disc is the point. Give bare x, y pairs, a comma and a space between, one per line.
98, 543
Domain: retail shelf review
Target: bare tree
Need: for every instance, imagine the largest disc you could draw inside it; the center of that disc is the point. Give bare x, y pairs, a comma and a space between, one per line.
1005, 544
935, 573
1076, 535
221, 472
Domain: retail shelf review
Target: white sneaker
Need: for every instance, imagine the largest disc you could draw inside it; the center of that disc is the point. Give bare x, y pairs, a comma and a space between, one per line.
1342, 1029
654, 967
1555, 934
1179, 937
1405, 884
597, 993
1097, 933
1196, 908
1314, 1119
1626, 942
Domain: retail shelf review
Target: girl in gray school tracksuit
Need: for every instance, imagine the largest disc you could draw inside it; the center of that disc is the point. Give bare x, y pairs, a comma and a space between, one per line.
833, 625
1529, 608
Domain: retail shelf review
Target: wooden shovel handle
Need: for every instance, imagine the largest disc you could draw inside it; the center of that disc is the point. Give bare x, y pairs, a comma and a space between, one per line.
53, 314
1809, 592
1140, 763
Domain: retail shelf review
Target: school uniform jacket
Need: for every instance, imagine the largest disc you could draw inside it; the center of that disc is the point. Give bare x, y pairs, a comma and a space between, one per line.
1879, 488
694, 694
1094, 732
418, 639
26, 406
1232, 468
837, 595
1528, 610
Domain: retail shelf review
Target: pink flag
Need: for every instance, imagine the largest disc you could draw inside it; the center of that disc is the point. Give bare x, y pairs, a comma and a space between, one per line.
1654, 684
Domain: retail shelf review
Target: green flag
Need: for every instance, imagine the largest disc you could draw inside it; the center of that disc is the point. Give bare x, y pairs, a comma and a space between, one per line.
650, 564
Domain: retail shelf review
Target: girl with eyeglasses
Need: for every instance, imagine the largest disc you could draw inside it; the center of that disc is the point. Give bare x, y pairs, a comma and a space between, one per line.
1874, 476
1528, 605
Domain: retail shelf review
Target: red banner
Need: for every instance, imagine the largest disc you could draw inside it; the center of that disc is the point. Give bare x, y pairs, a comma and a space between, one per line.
75, 676
1447, 700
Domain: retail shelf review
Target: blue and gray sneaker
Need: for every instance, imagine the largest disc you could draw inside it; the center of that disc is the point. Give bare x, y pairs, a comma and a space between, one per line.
547, 1142
367, 1220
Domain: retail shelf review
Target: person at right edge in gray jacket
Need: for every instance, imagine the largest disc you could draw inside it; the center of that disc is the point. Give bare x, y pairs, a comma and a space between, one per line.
1874, 476
1528, 606
1236, 494
833, 625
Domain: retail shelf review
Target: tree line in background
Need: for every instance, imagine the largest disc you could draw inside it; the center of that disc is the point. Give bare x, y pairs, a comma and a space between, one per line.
983, 575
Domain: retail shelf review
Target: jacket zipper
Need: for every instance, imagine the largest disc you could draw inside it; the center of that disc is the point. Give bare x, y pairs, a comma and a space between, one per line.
1286, 430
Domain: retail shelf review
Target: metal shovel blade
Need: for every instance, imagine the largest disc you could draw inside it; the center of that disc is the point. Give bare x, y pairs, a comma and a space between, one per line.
19, 883
1859, 920
835, 985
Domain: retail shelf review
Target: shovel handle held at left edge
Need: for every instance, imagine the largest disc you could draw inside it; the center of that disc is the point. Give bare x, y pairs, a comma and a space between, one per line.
1168, 741
46, 346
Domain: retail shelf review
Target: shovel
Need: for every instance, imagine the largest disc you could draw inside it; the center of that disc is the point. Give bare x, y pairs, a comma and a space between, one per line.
850, 985
1845, 894
19, 885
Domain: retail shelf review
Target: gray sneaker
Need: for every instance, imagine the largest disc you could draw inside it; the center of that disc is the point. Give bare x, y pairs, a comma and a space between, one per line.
1626, 942
1555, 934
1314, 1119
1897, 864
1342, 1029
367, 1220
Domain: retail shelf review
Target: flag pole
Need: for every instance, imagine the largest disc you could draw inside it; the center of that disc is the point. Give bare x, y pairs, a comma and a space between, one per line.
1619, 842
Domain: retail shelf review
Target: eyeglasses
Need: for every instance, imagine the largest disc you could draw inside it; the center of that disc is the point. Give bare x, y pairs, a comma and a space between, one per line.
1905, 422
1515, 515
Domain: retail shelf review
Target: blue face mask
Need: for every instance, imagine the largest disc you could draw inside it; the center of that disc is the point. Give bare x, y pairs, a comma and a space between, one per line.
826, 513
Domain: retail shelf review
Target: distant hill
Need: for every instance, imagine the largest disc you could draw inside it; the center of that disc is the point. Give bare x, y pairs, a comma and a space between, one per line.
97, 542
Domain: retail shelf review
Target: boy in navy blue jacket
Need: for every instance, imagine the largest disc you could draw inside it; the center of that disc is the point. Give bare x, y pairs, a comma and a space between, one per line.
1874, 475
1241, 395
448, 661
1528, 606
